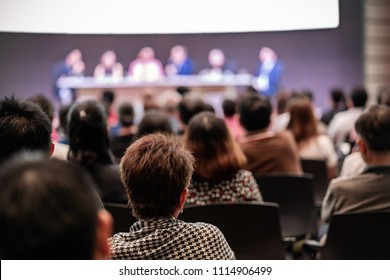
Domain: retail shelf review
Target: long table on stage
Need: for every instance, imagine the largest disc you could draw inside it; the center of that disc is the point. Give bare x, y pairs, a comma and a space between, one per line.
212, 89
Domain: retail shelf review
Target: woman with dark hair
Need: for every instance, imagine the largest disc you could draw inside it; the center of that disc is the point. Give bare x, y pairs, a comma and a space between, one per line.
89, 145
219, 174
311, 144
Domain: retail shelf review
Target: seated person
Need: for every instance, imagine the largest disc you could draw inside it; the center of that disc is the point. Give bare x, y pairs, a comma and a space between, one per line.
266, 151
125, 131
156, 171
188, 107
368, 191
178, 62
146, 67
337, 100
89, 146
48, 211
219, 174
108, 66
154, 121
23, 127
218, 66
231, 118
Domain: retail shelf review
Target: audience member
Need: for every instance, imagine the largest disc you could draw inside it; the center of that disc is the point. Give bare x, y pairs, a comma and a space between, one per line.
108, 66
282, 117
337, 105
156, 171
269, 72
342, 123
146, 67
219, 173
62, 128
125, 131
178, 62
23, 126
231, 118
188, 107
48, 211
90, 147
266, 151
152, 122
368, 191
311, 144
108, 98
60, 150
168, 101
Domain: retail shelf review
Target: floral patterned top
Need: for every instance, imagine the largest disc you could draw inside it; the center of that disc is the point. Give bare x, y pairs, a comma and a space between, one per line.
241, 187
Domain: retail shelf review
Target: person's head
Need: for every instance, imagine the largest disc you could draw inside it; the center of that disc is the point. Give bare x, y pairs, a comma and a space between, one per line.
373, 129
63, 117
146, 53
108, 59
267, 54
359, 97
23, 126
87, 132
126, 114
44, 103
188, 107
337, 98
154, 121
216, 58
229, 108
303, 123
73, 57
48, 210
178, 54
282, 99
255, 112
107, 100
156, 170
217, 155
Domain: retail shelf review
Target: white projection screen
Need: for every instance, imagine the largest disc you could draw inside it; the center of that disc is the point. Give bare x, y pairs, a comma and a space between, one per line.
165, 16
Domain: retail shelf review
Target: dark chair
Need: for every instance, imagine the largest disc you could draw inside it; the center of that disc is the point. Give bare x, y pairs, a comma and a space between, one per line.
319, 170
363, 236
123, 218
251, 229
294, 194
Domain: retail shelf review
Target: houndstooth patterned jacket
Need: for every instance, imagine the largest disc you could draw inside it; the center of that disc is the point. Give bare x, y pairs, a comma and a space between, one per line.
168, 238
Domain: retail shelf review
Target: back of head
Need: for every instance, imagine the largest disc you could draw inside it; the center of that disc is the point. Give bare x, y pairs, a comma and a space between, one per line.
126, 114
255, 112
303, 123
359, 97
155, 170
188, 107
229, 108
88, 136
337, 95
47, 210
373, 127
217, 154
154, 121
23, 126
44, 103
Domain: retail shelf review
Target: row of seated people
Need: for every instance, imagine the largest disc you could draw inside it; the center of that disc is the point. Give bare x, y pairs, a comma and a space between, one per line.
221, 162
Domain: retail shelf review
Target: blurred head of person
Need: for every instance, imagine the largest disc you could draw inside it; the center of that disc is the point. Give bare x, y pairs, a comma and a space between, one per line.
359, 97
178, 54
73, 56
217, 155
188, 107
44, 103
154, 121
337, 98
216, 58
48, 210
156, 171
146, 53
126, 114
267, 54
255, 112
108, 59
23, 126
87, 132
229, 108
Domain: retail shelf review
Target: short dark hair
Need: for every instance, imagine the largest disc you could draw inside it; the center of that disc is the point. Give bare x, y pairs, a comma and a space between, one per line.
23, 126
88, 137
373, 127
44, 103
359, 97
229, 107
47, 210
126, 114
189, 106
337, 95
255, 112
155, 170
217, 155
152, 122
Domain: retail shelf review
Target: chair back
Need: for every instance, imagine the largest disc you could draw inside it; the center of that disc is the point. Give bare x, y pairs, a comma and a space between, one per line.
294, 194
358, 236
121, 213
319, 170
251, 229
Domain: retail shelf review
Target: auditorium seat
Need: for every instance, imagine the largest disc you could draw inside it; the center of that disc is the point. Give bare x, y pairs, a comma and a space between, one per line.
251, 229
121, 213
